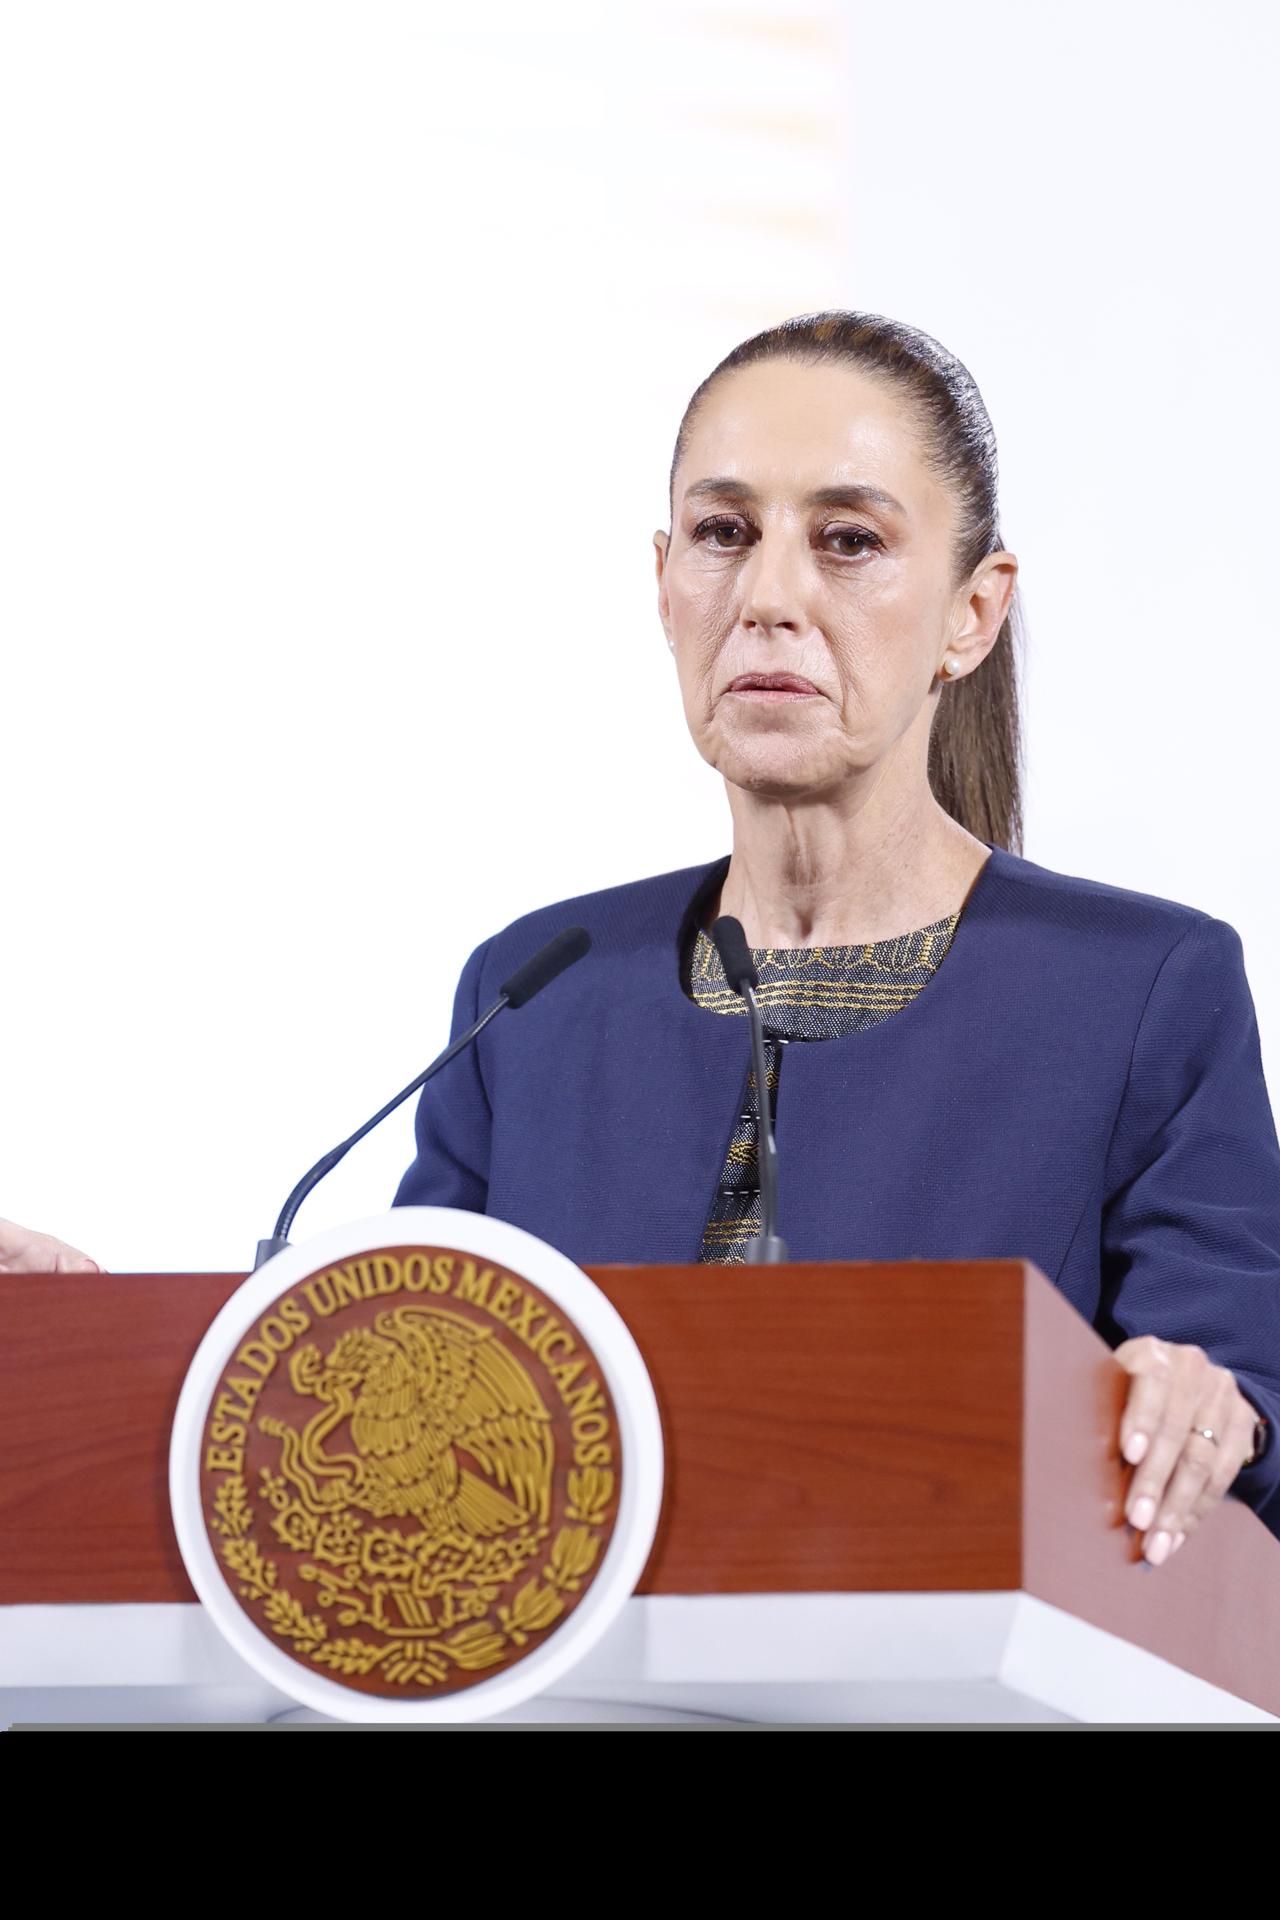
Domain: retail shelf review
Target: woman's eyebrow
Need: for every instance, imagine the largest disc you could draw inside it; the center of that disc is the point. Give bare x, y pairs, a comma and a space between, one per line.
723, 487
851, 493
856, 494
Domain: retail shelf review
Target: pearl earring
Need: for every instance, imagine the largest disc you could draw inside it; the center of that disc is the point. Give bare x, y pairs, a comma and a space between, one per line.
950, 667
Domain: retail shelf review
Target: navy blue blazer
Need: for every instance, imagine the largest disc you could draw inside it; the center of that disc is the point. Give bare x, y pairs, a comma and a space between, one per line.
1080, 1085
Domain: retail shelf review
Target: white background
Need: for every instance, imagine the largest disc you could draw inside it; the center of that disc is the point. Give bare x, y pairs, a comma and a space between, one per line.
341, 351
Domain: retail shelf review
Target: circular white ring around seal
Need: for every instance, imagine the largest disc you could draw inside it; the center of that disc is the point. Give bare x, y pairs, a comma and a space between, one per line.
640, 1429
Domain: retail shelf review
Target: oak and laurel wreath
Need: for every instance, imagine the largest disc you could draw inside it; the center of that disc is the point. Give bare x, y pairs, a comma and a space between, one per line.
535, 1606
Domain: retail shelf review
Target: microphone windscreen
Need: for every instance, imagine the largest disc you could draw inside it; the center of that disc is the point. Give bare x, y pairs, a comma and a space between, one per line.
539, 972
735, 954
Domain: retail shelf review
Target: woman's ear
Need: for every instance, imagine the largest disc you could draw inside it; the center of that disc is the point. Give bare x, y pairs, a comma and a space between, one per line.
982, 612
661, 547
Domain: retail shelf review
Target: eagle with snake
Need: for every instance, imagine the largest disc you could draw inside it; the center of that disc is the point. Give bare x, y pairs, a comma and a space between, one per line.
446, 1428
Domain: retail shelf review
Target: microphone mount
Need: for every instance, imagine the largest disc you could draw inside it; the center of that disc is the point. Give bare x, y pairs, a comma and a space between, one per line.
767, 1248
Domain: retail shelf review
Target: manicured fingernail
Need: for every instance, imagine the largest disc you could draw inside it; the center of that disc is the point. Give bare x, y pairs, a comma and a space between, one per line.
1178, 1539
1134, 1448
1144, 1512
1158, 1549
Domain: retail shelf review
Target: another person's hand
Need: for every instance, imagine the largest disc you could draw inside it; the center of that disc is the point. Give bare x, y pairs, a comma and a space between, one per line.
22, 1251
1176, 1393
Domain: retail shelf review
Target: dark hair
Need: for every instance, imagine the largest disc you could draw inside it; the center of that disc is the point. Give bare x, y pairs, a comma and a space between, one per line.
975, 747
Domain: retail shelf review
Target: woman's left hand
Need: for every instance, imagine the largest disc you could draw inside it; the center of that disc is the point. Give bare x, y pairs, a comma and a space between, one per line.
1175, 1393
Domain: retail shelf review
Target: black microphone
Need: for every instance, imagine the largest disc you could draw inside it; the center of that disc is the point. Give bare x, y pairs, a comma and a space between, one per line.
735, 958
527, 980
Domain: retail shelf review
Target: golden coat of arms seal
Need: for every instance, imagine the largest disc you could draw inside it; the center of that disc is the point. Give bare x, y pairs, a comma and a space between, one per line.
410, 1470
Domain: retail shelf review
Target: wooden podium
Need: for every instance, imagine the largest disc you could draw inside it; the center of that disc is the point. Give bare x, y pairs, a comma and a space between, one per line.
893, 1494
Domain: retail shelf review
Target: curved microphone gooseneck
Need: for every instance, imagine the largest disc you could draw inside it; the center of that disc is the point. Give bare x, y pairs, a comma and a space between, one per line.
735, 957
531, 978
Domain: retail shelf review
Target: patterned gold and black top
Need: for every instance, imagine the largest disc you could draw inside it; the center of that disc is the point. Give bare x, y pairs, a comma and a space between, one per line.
805, 993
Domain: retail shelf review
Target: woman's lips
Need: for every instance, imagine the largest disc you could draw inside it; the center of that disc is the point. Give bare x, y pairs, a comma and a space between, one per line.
772, 686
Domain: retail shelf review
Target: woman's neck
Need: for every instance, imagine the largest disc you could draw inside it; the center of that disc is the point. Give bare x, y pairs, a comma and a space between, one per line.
831, 874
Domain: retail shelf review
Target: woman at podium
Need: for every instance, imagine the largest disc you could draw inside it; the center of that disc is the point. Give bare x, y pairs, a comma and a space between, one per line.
969, 1055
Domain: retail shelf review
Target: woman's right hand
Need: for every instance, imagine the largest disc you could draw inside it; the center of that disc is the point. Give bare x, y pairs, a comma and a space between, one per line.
22, 1251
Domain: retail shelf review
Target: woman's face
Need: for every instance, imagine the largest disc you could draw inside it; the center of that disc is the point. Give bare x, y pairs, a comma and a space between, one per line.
806, 587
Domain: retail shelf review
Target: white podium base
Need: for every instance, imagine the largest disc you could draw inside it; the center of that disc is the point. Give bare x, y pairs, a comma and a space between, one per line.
838, 1659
